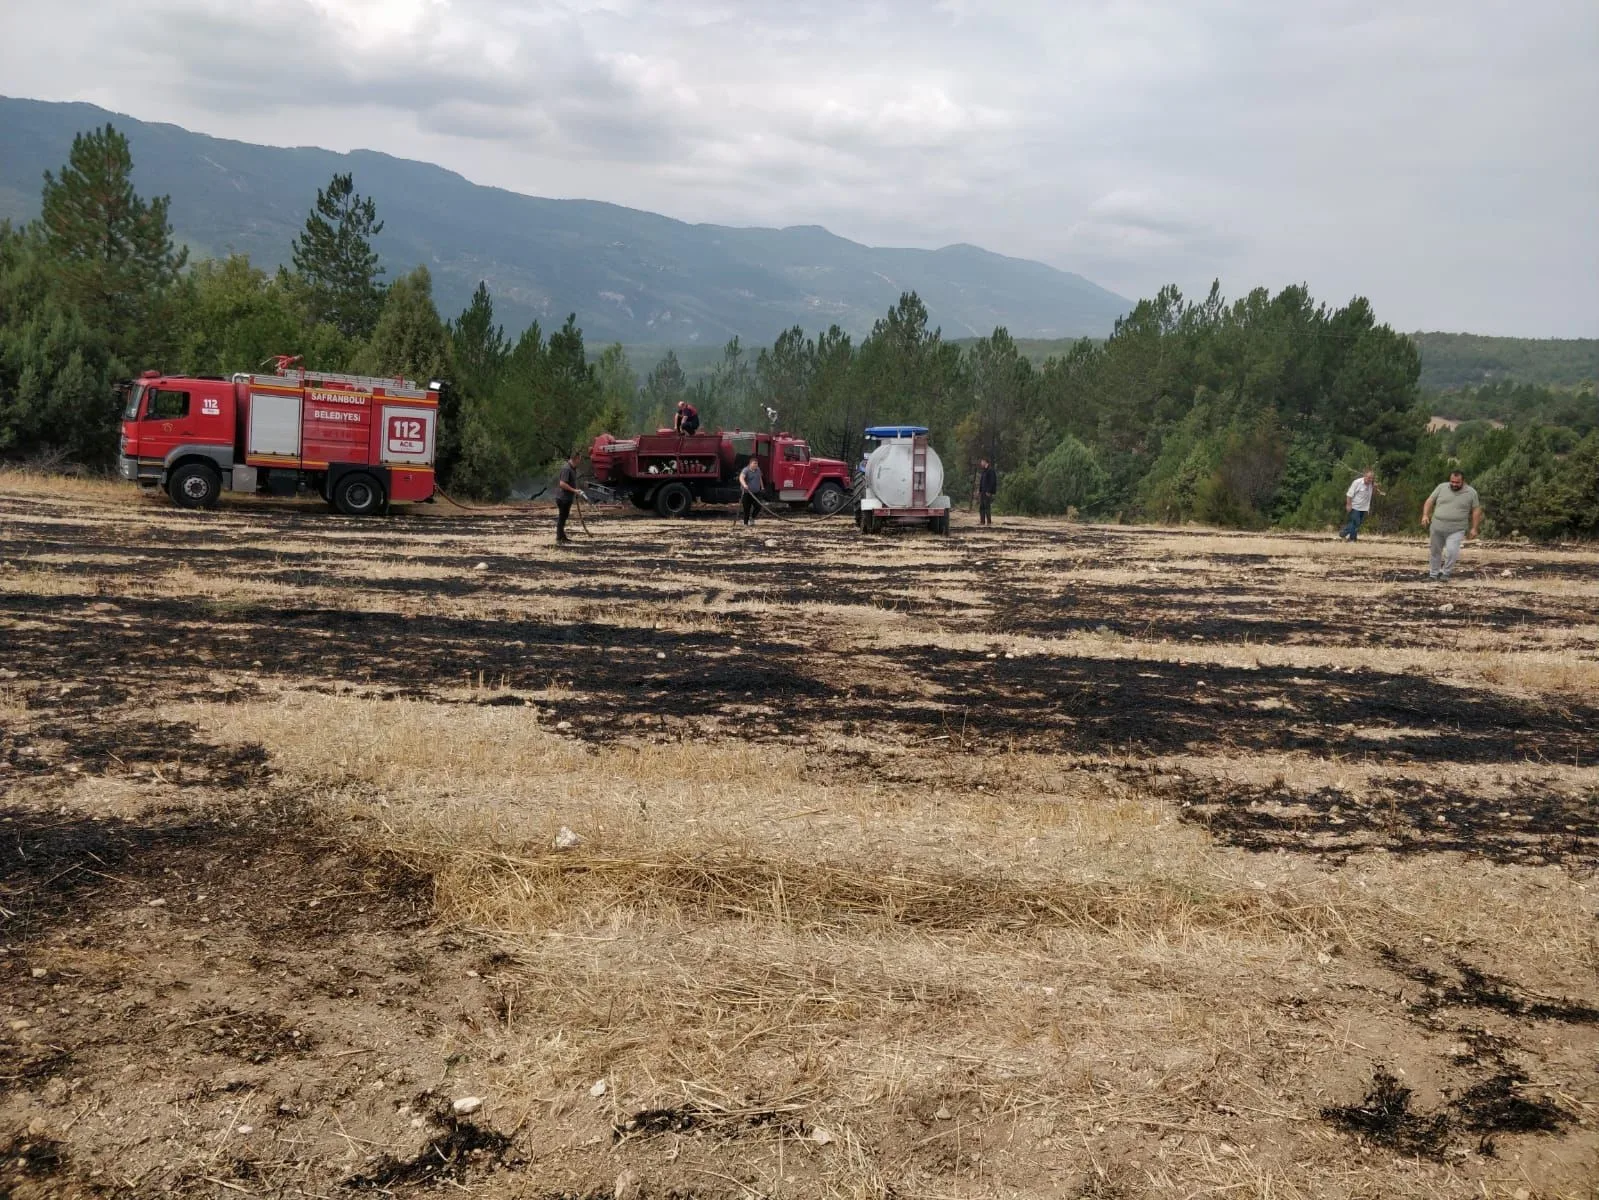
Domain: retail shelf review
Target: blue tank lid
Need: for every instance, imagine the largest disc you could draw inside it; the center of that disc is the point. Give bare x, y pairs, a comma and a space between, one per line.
894, 431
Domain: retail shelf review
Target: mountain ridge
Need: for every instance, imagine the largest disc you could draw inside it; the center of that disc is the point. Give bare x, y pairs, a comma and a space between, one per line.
631, 275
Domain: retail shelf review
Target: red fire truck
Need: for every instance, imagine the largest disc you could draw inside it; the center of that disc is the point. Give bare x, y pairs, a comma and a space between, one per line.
359, 441
668, 472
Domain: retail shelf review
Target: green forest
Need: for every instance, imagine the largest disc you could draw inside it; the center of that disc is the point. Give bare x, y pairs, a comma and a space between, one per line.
1244, 413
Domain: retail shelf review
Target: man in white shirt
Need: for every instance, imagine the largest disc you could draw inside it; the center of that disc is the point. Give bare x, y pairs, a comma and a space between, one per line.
1357, 503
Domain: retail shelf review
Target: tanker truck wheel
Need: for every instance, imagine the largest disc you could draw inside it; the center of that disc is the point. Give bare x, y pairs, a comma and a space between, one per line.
358, 495
829, 498
674, 500
195, 485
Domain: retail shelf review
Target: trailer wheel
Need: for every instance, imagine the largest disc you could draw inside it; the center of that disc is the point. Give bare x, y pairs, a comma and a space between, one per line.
829, 498
195, 485
674, 500
868, 521
941, 524
358, 495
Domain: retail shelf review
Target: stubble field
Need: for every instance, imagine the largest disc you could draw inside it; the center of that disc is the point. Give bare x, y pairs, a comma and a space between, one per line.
1051, 860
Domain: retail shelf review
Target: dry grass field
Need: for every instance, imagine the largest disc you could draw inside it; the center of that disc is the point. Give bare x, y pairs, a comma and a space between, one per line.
414, 855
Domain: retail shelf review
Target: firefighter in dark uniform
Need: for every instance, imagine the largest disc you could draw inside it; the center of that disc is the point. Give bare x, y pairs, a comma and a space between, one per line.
687, 419
566, 491
987, 485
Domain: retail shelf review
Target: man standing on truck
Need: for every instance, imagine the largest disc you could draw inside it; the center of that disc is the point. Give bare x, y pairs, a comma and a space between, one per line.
1452, 513
566, 491
687, 420
749, 492
987, 485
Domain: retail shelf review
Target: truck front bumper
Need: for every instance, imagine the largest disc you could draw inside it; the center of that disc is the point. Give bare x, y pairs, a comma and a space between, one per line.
145, 473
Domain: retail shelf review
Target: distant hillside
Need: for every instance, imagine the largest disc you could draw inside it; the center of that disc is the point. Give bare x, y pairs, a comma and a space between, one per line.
1450, 361
1457, 360
631, 276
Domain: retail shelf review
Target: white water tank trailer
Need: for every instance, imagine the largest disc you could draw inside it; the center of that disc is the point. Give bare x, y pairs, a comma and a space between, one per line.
904, 481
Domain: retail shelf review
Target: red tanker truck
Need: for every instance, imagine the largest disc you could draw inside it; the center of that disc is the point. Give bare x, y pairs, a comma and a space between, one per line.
358, 441
668, 472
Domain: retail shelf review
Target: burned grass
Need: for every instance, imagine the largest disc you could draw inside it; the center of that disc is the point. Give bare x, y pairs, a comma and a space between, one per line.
1474, 988
697, 1117
627, 676
854, 825
1209, 610
1530, 821
456, 1150
1388, 1116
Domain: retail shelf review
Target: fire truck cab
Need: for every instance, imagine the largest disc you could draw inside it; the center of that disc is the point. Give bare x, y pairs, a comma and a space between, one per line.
360, 442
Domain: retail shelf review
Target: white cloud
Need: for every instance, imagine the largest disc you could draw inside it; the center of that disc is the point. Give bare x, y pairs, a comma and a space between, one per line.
1436, 155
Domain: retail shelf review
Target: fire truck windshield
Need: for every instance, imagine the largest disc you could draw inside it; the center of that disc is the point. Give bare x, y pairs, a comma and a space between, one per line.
130, 410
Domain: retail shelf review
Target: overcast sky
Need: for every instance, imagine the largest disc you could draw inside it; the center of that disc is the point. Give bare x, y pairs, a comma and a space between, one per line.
1438, 156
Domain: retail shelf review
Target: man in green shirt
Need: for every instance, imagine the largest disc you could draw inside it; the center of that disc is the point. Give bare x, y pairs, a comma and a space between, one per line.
1453, 513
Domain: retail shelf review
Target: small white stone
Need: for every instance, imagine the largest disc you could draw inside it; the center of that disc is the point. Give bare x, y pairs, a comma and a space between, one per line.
563, 725
598, 1089
820, 1136
466, 1105
39, 972
158, 902
567, 839
246, 1129
483, 566
943, 1114
660, 654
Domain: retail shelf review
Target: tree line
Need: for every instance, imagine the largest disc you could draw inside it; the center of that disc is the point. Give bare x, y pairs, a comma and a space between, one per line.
1246, 413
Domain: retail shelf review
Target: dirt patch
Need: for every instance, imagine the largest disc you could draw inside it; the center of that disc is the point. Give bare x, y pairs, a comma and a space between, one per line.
27, 1156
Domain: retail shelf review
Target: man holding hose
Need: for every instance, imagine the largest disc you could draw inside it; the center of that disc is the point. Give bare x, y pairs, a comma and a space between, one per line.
749, 492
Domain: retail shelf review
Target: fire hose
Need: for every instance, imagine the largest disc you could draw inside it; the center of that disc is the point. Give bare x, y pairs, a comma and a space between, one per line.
854, 494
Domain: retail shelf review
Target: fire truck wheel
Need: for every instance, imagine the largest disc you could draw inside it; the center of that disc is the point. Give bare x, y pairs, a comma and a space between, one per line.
829, 498
674, 500
195, 485
358, 495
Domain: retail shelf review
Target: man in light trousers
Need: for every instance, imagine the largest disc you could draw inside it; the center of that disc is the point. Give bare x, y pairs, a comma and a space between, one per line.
1453, 513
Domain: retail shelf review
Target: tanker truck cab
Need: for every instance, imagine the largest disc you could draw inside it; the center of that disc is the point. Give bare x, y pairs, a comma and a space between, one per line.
801, 480
178, 434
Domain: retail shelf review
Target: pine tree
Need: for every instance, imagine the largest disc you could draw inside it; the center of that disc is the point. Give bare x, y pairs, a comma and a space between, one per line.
111, 251
479, 344
337, 268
